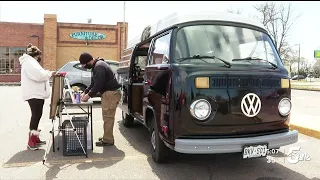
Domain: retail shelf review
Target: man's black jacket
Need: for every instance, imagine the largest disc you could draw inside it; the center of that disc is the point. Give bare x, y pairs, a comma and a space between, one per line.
103, 79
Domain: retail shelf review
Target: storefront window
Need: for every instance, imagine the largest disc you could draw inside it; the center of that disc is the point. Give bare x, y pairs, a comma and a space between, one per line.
9, 59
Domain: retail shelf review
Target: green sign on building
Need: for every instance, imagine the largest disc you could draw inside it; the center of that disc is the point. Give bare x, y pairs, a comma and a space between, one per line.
83, 35
317, 54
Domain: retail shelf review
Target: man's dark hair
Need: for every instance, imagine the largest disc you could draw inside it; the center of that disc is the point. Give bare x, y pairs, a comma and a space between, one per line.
85, 58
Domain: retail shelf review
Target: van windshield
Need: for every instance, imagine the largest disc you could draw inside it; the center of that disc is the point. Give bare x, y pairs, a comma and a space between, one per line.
236, 45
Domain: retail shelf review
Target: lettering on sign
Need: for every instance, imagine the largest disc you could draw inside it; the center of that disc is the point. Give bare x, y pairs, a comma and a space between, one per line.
84, 35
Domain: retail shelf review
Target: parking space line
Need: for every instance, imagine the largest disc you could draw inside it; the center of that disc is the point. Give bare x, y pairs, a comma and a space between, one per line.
76, 161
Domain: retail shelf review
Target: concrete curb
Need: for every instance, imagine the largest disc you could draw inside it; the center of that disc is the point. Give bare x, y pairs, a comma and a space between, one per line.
302, 89
15, 84
10, 84
306, 131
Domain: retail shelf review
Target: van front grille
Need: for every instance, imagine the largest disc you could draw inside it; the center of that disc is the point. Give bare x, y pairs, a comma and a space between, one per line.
244, 82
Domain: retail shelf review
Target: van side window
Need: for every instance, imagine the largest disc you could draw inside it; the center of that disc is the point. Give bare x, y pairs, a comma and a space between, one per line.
160, 54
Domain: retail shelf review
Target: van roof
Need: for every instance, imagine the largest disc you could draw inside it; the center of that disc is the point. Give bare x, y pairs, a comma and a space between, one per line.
182, 17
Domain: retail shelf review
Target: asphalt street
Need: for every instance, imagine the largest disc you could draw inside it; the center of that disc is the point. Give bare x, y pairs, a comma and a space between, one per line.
130, 157
305, 109
306, 102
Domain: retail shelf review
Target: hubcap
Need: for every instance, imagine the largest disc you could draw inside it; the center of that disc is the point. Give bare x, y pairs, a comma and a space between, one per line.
153, 140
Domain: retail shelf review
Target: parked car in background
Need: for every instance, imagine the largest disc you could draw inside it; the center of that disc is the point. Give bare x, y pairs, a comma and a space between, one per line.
78, 76
310, 78
296, 77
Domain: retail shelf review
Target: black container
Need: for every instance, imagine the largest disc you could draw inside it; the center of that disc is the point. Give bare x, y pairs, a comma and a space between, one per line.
71, 145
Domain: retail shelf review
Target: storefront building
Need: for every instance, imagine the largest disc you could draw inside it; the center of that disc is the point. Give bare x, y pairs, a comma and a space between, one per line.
59, 43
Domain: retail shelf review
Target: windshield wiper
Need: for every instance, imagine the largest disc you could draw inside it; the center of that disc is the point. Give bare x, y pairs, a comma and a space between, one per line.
255, 59
197, 56
192, 57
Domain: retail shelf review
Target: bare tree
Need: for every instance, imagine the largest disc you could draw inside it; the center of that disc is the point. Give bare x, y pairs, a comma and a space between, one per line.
290, 58
232, 11
239, 11
278, 21
316, 69
304, 64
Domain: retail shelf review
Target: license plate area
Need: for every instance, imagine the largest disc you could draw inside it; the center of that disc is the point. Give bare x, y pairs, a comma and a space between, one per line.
254, 150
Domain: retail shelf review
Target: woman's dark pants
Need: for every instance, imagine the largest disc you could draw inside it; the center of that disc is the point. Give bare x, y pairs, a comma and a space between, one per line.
36, 106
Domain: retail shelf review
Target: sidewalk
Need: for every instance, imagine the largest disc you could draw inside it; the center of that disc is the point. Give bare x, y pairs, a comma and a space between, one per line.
14, 83
305, 85
306, 124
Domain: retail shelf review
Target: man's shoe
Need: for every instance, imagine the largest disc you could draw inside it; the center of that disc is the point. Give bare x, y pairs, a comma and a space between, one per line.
100, 139
101, 143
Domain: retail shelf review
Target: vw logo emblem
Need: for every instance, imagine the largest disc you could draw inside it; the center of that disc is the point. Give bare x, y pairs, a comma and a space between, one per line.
250, 105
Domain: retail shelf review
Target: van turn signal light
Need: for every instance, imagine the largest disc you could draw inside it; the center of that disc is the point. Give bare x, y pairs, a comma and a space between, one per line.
202, 82
285, 83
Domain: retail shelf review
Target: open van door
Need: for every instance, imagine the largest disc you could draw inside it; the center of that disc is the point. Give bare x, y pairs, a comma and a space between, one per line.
125, 79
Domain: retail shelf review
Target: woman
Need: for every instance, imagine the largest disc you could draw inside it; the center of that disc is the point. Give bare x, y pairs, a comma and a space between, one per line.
35, 89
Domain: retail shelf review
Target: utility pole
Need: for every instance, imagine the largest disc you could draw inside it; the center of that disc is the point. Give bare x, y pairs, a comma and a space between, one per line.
299, 63
124, 26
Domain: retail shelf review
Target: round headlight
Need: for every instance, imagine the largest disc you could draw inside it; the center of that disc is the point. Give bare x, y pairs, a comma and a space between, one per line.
200, 109
284, 106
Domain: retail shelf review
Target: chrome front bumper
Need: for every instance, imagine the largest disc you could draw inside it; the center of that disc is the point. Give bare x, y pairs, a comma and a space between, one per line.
233, 145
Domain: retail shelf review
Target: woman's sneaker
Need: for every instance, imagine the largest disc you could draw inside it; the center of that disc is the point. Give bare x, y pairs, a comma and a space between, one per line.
39, 142
32, 145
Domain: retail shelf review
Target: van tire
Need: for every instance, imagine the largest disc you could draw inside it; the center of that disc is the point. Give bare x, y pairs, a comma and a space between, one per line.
160, 153
127, 120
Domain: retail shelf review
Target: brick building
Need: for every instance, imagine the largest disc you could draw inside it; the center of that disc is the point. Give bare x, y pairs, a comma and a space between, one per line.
59, 43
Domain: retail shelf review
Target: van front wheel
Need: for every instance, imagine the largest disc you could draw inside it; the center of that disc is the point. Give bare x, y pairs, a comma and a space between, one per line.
159, 151
127, 120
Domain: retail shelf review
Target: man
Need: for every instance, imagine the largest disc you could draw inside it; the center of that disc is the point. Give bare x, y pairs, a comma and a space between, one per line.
104, 81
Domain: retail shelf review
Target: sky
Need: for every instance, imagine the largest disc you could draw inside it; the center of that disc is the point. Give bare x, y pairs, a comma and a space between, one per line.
139, 14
